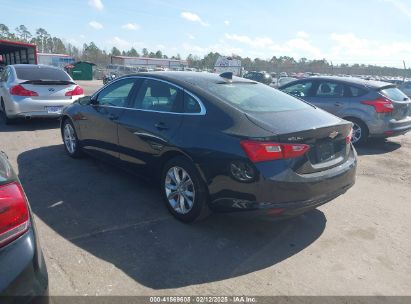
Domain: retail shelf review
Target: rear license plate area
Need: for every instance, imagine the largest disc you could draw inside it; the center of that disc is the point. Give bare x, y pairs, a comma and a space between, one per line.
54, 110
325, 152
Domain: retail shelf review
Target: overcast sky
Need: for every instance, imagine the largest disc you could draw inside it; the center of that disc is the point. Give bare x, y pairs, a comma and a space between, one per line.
363, 31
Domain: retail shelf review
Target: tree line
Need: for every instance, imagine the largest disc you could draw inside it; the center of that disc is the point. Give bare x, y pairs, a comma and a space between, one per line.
46, 43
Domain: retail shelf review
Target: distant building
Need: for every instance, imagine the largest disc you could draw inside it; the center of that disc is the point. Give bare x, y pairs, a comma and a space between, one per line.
150, 63
13, 52
57, 60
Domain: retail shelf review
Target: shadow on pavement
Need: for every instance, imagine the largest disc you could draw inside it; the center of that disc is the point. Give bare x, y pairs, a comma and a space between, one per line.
377, 146
122, 220
29, 125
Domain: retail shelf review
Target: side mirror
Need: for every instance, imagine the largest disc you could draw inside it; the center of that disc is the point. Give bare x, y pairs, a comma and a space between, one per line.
86, 100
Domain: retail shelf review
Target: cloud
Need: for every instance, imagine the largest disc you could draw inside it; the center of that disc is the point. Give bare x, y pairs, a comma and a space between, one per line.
221, 47
122, 44
191, 37
131, 26
401, 6
226, 22
266, 47
303, 35
96, 25
96, 4
347, 47
193, 18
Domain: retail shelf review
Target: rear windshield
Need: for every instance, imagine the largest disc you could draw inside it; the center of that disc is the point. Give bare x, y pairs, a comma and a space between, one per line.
394, 94
252, 97
41, 73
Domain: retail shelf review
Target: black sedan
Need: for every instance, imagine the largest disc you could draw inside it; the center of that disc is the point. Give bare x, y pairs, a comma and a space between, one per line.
23, 271
215, 142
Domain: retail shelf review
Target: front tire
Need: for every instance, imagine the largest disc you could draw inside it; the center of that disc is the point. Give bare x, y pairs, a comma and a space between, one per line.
70, 139
184, 192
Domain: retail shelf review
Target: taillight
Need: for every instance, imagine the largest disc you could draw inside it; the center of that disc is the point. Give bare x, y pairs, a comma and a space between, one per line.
348, 137
77, 91
14, 213
381, 105
258, 151
20, 91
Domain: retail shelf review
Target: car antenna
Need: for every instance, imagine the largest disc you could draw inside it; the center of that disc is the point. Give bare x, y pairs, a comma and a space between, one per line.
227, 75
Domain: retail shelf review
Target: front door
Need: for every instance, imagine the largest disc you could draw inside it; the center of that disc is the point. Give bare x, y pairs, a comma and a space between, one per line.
99, 122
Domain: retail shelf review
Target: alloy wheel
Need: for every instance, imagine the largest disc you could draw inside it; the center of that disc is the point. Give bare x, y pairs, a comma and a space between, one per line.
70, 138
179, 190
356, 133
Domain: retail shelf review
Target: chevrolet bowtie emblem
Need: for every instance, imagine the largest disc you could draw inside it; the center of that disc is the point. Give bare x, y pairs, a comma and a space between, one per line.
333, 134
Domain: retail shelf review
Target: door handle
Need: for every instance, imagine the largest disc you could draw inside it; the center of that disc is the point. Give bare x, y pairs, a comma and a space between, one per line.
161, 126
338, 104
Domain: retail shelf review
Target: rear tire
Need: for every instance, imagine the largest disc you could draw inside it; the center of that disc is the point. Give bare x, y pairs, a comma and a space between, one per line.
360, 131
7, 120
184, 192
70, 139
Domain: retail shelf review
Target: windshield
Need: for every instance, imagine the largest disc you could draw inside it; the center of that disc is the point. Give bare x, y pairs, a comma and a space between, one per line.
41, 73
252, 97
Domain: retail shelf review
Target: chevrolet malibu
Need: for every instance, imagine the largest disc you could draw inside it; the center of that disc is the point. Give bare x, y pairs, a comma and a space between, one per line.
23, 272
29, 90
215, 142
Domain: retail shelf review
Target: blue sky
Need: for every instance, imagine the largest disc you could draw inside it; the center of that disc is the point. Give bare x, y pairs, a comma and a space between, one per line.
366, 31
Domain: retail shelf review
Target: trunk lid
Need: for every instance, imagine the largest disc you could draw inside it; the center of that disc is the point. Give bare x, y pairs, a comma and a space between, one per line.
324, 133
49, 89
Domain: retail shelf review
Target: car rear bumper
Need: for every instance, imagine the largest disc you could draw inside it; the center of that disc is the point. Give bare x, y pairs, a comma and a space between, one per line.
23, 272
396, 127
27, 107
289, 193
392, 128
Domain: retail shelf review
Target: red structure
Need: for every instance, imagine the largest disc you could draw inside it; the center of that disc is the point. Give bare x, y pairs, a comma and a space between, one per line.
13, 52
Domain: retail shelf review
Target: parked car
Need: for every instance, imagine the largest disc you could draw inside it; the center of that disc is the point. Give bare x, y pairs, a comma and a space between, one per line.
262, 77
215, 143
284, 80
376, 109
29, 90
109, 77
406, 88
23, 271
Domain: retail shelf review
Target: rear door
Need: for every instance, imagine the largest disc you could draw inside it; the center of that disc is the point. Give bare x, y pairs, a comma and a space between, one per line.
329, 96
99, 121
150, 124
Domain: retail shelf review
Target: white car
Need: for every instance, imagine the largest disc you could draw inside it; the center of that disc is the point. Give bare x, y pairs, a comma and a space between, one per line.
30, 90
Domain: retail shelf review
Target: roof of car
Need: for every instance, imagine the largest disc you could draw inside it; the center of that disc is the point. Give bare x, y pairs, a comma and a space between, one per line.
354, 80
192, 78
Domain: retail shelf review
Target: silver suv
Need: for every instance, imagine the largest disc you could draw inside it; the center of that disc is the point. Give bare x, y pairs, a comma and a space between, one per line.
376, 109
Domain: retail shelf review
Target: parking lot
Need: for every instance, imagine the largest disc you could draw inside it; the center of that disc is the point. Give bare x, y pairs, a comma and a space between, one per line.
105, 232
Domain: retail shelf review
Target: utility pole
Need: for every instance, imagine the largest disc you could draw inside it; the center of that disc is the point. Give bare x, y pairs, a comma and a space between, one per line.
405, 70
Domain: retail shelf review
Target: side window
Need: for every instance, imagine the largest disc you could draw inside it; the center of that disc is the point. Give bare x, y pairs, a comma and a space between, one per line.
159, 96
191, 105
330, 89
354, 91
116, 94
301, 89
